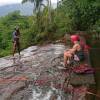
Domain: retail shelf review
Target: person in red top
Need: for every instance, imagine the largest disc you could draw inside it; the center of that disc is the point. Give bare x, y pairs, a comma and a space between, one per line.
77, 50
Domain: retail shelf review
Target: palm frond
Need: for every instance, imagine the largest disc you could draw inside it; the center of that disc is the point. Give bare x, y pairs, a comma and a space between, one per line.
24, 1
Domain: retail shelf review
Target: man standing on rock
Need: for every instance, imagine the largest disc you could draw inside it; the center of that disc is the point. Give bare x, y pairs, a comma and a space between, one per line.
16, 43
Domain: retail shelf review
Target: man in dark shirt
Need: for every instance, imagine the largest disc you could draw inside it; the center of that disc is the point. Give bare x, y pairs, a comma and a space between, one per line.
16, 43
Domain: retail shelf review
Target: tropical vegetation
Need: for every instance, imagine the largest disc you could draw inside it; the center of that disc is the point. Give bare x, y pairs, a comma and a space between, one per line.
48, 23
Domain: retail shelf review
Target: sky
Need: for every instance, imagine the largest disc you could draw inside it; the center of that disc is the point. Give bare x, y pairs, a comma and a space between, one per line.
6, 2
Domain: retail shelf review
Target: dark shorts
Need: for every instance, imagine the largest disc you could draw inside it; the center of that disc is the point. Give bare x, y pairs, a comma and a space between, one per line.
80, 55
16, 43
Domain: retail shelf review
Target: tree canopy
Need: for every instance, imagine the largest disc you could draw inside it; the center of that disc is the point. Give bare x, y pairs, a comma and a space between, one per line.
48, 23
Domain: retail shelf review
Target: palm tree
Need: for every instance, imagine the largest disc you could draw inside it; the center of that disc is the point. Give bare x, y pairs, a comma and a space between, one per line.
49, 10
38, 7
57, 3
38, 4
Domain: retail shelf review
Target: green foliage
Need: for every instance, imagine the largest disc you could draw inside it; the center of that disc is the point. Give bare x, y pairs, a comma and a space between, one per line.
49, 24
7, 25
96, 26
82, 14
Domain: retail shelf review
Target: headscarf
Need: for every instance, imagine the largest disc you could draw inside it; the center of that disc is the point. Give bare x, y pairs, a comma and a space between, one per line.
74, 38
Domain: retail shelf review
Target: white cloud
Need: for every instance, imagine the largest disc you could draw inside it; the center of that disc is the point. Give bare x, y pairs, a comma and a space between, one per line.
5, 2
53, 1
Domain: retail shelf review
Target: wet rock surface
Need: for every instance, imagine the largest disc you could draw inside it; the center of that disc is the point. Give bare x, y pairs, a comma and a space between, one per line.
31, 76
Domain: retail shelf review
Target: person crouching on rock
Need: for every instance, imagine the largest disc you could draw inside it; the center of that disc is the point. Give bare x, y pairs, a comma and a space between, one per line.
77, 50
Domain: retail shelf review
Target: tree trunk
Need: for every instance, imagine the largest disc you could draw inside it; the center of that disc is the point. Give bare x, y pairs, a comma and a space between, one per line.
49, 10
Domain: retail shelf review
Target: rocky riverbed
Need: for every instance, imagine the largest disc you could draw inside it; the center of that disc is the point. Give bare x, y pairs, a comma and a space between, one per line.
31, 76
